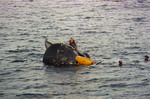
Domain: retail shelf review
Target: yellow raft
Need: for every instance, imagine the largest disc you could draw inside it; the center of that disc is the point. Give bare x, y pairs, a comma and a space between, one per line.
83, 60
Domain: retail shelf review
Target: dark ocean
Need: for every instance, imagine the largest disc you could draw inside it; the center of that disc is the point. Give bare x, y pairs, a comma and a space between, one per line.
108, 30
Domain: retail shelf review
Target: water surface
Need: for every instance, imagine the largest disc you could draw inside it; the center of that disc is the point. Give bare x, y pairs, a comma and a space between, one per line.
109, 30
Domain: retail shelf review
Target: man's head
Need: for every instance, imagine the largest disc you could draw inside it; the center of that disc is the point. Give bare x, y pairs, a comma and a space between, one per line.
146, 58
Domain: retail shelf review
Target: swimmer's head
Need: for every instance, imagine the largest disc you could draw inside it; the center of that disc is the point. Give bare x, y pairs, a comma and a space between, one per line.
146, 58
120, 63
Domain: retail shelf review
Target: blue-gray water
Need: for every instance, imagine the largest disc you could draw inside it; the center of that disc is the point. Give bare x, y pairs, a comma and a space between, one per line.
109, 30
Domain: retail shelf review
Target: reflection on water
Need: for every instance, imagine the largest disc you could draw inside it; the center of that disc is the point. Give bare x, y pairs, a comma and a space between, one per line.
109, 30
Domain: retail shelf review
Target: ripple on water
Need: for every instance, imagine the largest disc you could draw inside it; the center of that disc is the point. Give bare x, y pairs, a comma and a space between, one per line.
18, 61
33, 95
94, 80
35, 86
122, 85
2, 80
114, 85
142, 19
5, 73
67, 83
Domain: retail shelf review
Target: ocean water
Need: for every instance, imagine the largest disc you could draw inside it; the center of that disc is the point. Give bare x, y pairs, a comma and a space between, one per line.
109, 30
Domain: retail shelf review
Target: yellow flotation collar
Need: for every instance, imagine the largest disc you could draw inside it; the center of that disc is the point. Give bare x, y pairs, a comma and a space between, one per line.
83, 60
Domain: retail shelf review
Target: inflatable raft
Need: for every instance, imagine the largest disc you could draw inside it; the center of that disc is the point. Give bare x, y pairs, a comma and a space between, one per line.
83, 60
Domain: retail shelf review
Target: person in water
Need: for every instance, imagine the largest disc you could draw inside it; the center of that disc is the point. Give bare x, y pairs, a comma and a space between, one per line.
120, 63
146, 58
74, 45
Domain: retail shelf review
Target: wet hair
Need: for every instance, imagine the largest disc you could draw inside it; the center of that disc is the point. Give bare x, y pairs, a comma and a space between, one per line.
146, 58
120, 63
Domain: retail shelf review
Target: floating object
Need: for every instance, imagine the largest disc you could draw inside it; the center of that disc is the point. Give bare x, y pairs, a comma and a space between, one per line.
146, 58
120, 63
59, 54
48, 43
83, 60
